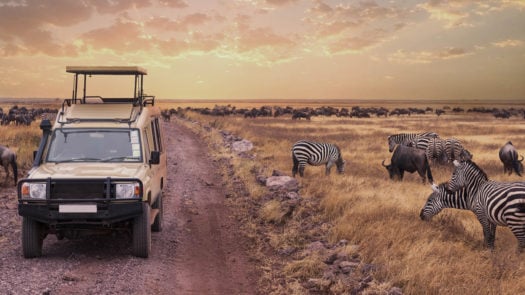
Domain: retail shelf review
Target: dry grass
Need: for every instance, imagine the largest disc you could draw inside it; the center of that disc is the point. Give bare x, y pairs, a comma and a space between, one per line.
443, 256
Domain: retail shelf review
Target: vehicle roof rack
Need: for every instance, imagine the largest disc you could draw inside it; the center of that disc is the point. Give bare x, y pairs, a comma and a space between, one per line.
139, 99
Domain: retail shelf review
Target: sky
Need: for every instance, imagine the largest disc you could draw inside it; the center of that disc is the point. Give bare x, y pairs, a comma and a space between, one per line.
270, 49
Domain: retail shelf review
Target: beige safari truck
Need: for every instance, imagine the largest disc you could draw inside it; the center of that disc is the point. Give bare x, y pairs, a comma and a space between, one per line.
101, 166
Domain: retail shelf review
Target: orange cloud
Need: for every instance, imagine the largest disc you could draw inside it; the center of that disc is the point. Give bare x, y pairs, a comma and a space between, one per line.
427, 57
508, 43
346, 28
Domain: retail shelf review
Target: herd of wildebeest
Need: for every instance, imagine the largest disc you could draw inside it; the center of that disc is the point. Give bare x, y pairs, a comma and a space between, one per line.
23, 116
353, 112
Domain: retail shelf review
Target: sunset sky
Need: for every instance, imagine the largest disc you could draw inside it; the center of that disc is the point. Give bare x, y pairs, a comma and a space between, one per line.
271, 49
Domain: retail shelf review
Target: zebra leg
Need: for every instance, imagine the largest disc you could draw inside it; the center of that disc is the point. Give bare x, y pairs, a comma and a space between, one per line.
301, 170
489, 233
295, 165
519, 233
329, 165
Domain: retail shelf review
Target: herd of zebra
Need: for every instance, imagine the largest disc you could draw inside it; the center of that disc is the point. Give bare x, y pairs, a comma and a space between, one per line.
494, 203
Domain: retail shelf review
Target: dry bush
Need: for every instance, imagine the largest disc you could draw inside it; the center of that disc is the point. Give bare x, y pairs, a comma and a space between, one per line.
443, 256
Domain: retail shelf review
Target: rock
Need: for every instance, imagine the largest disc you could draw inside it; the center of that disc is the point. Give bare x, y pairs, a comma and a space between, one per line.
278, 173
285, 183
395, 291
317, 246
348, 266
288, 251
261, 179
242, 146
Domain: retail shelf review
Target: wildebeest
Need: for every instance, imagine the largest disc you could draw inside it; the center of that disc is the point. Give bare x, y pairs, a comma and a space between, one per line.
299, 114
509, 157
8, 157
410, 159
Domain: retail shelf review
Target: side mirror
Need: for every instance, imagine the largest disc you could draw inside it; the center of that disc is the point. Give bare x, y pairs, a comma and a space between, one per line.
154, 158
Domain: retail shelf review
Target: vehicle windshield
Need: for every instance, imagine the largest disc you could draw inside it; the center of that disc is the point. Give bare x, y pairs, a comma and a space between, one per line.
94, 145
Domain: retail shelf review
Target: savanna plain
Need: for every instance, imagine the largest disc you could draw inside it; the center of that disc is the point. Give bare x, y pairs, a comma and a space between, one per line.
378, 217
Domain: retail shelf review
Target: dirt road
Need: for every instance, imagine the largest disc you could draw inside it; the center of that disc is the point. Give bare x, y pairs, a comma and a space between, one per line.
199, 251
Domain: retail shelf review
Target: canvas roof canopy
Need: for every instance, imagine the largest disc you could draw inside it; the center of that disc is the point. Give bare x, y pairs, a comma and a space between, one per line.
106, 70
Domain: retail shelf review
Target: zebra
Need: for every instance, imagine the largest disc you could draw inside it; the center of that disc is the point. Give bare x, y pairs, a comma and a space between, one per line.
442, 198
494, 203
454, 150
406, 138
435, 151
316, 153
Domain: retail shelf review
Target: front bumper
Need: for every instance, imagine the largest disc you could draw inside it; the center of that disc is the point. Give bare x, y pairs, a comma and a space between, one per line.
106, 213
96, 194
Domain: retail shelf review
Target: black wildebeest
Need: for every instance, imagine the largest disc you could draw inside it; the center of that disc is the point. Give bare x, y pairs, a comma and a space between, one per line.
509, 156
410, 159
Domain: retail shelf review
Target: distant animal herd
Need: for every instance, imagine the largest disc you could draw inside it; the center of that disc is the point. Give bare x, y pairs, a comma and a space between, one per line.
494, 203
354, 112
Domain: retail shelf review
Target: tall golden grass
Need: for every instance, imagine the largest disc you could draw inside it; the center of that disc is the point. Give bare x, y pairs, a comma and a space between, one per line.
443, 256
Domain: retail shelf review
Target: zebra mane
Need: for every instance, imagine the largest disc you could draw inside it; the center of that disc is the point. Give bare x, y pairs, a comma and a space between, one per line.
476, 167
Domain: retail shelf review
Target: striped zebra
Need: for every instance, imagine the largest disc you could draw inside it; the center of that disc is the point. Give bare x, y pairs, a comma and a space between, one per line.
407, 138
442, 198
454, 150
494, 203
436, 151
316, 153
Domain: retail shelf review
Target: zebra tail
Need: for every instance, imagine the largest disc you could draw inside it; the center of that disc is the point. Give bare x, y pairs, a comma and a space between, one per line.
15, 169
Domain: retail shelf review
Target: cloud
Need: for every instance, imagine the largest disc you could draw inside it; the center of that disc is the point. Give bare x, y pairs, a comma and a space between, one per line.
353, 27
461, 13
121, 37
280, 2
182, 24
115, 6
174, 3
508, 43
427, 57
27, 29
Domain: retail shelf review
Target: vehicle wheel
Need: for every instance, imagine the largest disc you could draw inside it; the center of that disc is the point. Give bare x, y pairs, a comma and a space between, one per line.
157, 223
142, 233
32, 238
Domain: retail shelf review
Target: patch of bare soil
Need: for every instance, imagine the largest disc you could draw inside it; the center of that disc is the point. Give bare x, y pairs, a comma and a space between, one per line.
199, 251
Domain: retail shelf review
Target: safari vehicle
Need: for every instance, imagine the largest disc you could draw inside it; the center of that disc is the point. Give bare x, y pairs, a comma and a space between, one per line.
100, 167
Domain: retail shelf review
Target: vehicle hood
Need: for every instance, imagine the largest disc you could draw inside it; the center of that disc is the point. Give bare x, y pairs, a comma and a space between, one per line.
88, 170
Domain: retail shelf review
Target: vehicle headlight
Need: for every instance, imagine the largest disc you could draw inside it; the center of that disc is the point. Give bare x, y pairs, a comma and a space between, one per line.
34, 190
127, 190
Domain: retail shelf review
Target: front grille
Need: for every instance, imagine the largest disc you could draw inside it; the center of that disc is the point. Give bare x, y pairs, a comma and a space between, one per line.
80, 190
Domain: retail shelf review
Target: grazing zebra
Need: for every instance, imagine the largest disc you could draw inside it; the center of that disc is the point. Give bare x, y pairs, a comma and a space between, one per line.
454, 150
315, 153
8, 157
442, 198
406, 138
436, 151
494, 203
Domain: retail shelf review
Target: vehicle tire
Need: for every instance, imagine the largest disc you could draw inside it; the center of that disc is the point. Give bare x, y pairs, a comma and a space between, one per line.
32, 238
142, 233
157, 223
